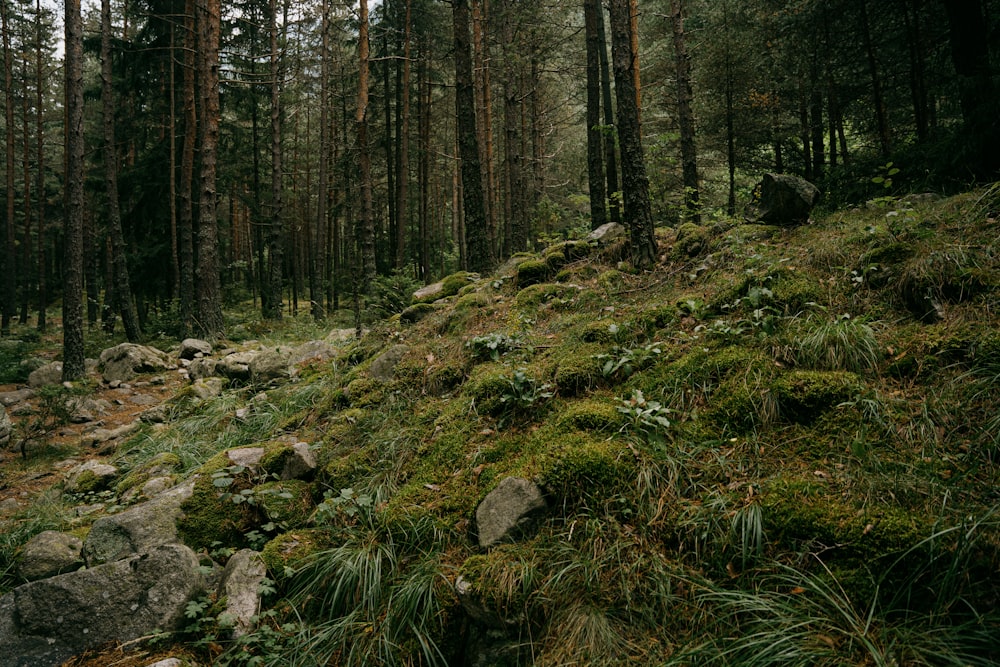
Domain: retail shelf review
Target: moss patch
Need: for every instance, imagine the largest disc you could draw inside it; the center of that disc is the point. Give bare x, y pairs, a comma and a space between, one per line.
288, 502
290, 551
804, 395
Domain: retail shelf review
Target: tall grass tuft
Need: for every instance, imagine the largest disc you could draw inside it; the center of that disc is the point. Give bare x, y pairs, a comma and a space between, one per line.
841, 344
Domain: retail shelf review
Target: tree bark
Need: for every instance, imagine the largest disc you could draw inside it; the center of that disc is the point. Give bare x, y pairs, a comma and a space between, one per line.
40, 150
595, 148
479, 257
403, 154
366, 233
122, 283
210, 321
610, 154
185, 221
72, 312
635, 184
878, 98
685, 114
10, 259
317, 265
273, 304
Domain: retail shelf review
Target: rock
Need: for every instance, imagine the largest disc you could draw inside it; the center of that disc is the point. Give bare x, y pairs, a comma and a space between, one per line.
6, 427
123, 362
607, 233
50, 553
235, 366
508, 511
473, 605
104, 435
272, 364
240, 587
202, 368
313, 351
49, 374
89, 476
157, 414
192, 347
299, 462
384, 366
167, 662
9, 506
206, 388
137, 529
341, 336
9, 398
429, 292
248, 457
786, 200
156, 486
46, 622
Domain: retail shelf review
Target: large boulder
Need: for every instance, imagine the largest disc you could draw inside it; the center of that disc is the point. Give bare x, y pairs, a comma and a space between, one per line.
509, 511
240, 588
786, 200
46, 622
607, 233
6, 427
384, 366
49, 374
137, 529
48, 554
272, 364
89, 476
235, 366
123, 362
192, 348
200, 369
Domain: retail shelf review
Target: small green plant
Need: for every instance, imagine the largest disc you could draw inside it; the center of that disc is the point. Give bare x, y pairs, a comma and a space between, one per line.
492, 346
347, 505
884, 177
622, 362
842, 344
524, 395
646, 418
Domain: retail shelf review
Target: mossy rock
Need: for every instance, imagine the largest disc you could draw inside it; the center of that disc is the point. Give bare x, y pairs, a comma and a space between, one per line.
164, 463
575, 368
599, 416
416, 312
89, 482
743, 403
503, 582
289, 551
487, 386
578, 468
562, 253
287, 502
532, 272
692, 240
445, 378
611, 280
344, 472
473, 300
365, 392
702, 369
882, 262
600, 331
784, 290
803, 395
272, 464
210, 518
454, 283
530, 298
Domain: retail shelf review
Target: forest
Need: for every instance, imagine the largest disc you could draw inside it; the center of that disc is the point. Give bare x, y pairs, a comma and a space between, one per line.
166, 158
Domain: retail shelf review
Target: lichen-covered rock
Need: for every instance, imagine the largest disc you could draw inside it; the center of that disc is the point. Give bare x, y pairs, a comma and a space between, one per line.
607, 233
240, 588
202, 368
288, 551
312, 351
123, 362
272, 364
416, 312
89, 476
509, 511
206, 388
384, 366
50, 553
49, 374
786, 200
296, 461
192, 347
46, 622
5, 427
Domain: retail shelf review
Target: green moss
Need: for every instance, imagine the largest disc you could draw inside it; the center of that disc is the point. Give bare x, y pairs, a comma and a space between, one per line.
444, 378
288, 502
209, 518
162, 464
611, 280
692, 240
88, 482
416, 312
600, 331
575, 368
803, 395
577, 467
600, 416
530, 298
532, 272
290, 551
451, 285
365, 392
788, 291
486, 387
344, 472
472, 301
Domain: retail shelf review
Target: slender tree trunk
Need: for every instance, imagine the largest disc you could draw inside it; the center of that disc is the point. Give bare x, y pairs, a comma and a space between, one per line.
272, 305
91, 263
635, 184
209, 299
685, 114
72, 312
185, 221
595, 148
366, 233
730, 113
516, 201
10, 258
881, 116
40, 150
122, 283
403, 155
175, 264
317, 265
480, 258
484, 114
390, 64
26, 258
918, 81
610, 154
424, 163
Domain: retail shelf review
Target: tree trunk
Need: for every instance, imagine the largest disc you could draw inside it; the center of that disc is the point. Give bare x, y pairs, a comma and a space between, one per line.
595, 148
610, 155
210, 322
366, 233
25, 273
403, 154
175, 262
122, 283
9, 257
272, 305
685, 114
72, 312
476, 235
185, 221
317, 265
484, 115
40, 150
424, 163
635, 184
881, 117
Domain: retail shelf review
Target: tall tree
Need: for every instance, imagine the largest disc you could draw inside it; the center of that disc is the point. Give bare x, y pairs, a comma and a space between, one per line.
185, 221
9, 263
635, 183
610, 153
122, 284
40, 167
72, 313
366, 231
403, 154
317, 267
272, 303
685, 114
476, 235
595, 148
209, 300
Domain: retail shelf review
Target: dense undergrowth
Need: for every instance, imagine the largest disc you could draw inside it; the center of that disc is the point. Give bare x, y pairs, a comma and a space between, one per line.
779, 447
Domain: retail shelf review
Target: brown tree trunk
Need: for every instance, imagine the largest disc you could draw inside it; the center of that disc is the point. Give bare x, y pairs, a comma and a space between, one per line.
366, 233
685, 114
272, 304
595, 148
484, 115
480, 258
26, 258
72, 311
403, 154
881, 117
40, 151
175, 263
209, 299
122, 283
516, 199
9, 257
424, 163
317, 264
635, 184
185, 221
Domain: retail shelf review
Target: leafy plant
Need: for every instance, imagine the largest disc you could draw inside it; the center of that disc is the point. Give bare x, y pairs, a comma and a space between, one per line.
524, 395
624, 361
646, 418
492, 346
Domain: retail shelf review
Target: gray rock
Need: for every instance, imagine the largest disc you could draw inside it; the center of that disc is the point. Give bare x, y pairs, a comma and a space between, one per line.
429, 292
105, 434
509, 511
45, 622
234, 366
167, 662
272, 364
786, 200
123, 362
341, 336
202, 368
384, 366
300, 463
192, 347
313, 351
157, 414
157, 485
9, 506
9, 398
248, 457
240, 586
206, 388
49, 374
50, 553
137, 529
606, 233
89, 476
6, 427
